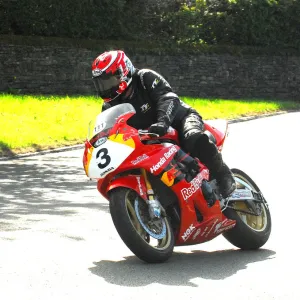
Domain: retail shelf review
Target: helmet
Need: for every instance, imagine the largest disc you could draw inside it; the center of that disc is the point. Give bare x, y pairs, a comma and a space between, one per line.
112, 73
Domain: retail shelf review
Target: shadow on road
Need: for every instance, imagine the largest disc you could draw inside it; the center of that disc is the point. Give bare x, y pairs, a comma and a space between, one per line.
180, 269
50, 186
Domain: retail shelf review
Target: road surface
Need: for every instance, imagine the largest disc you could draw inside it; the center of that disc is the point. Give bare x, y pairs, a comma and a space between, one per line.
57, 240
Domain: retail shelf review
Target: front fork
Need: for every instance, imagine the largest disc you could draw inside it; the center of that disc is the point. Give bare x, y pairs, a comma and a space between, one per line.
155, 208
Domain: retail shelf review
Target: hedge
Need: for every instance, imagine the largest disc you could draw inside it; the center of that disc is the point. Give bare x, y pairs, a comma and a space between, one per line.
259, 23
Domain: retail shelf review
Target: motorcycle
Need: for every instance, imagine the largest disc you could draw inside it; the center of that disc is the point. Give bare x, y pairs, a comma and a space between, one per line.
160, 197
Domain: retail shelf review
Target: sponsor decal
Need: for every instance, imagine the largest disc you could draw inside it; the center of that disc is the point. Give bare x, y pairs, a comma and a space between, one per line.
139, 159
197, 233
188, 232
140, 186
163, 159
171, 176
119, 138
158, 165
100, 142
240, 194
97, 72
225, 228
98, 136
122, 86
218, 228
171, 151
99, 127
169, 110
211, 228
204, 231
128, 134
106, 171
145, 107
155, 82
194, 186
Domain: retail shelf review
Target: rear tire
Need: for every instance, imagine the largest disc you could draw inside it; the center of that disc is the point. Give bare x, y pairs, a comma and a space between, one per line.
250, 232
131, 231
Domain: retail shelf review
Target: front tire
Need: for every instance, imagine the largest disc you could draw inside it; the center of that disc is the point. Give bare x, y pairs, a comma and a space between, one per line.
128, 224
250, 232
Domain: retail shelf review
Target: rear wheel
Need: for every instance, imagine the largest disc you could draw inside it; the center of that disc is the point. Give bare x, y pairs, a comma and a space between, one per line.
251, 231
151, 241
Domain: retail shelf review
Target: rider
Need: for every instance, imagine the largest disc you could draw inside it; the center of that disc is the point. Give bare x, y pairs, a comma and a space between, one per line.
158, 107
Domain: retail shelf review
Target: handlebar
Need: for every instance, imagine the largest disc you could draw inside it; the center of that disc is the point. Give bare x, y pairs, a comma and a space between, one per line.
146, 132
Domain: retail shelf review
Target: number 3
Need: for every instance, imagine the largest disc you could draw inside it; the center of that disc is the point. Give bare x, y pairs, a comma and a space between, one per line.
102, 153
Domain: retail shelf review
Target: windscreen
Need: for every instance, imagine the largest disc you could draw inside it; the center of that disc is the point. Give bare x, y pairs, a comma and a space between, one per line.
107, 119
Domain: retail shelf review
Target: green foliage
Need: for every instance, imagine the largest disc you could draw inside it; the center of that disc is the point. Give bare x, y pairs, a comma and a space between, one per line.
68, 18
238, 22
260, 23
100, 19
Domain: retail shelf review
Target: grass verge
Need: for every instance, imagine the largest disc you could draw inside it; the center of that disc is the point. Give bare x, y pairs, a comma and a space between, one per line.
33, 123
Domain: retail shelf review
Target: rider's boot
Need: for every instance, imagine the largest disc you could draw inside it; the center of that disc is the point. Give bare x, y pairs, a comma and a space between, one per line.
221, 172
200, 146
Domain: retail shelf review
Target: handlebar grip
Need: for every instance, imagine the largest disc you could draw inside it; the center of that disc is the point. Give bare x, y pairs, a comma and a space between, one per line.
146, 132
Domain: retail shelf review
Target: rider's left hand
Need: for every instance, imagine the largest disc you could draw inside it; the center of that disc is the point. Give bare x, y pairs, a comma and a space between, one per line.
159, 128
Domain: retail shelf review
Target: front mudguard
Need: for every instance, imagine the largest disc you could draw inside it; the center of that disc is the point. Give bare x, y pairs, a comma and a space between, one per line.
133, 182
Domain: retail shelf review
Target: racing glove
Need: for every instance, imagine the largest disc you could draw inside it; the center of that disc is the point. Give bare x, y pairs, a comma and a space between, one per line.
159, 128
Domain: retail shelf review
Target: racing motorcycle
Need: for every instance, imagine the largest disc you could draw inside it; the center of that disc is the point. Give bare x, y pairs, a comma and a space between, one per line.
160, 197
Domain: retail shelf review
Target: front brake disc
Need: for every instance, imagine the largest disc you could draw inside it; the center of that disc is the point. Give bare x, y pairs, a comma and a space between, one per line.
157, 228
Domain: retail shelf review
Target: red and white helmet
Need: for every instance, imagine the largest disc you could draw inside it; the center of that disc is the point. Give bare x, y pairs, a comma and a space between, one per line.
112, 73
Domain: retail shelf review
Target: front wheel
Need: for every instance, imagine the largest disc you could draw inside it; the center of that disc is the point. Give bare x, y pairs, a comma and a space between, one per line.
150, 240
251, 231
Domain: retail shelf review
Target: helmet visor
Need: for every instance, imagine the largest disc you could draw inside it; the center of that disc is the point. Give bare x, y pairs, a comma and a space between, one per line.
107, 86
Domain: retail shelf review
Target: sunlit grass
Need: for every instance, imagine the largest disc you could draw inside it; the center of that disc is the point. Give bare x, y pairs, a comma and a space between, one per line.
41, 122
230, 109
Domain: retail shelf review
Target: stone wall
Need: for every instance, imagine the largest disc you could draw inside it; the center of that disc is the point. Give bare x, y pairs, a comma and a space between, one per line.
61, 70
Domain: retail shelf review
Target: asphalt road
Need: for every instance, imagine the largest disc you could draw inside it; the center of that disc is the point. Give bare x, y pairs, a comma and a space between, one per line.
57, 240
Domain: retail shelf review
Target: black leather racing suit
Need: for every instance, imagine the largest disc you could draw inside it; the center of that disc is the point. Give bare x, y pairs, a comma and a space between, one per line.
154, 101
